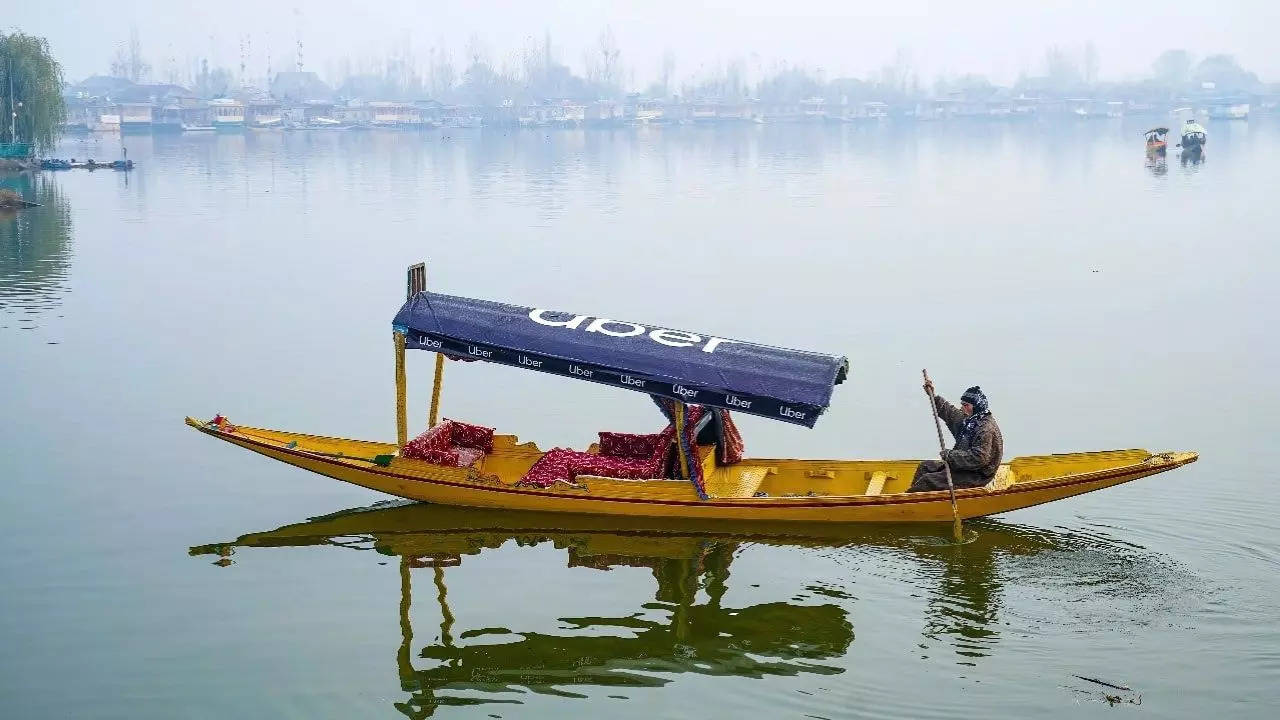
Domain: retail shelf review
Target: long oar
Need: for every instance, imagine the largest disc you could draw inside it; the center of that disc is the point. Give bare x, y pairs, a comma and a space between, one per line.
956, 529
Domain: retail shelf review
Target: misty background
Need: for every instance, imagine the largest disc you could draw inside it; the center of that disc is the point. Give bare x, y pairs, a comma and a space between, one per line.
659, 39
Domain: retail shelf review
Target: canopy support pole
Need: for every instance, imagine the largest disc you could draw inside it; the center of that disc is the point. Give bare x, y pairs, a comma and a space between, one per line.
416, 282
402, 410
677, 419
435, 392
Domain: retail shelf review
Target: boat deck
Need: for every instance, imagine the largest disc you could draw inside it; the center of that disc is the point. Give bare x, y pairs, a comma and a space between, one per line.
774, 489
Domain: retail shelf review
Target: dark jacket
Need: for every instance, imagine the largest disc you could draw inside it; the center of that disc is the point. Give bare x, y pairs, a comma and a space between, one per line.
980, 454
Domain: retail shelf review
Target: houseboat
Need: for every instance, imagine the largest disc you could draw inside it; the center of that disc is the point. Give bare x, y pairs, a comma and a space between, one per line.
572, 114
461, 116
1228, 110
705, 112
603, 113
383, 114
650, 112
226, 114
263, 115
136, 117
813, 109
167, 118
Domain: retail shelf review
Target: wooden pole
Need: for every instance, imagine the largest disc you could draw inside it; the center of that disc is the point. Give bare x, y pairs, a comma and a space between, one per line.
956, 528
402, 411
435, 392
416, 283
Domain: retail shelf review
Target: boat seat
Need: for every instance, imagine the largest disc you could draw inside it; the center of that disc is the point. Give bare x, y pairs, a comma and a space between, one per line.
878, 479
735, 482
1003, 479
451, 443
628, 456
564, 464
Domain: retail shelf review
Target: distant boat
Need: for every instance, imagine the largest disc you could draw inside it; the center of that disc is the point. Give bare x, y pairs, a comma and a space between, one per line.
197, 128
1194, 138
1156, 144
325, 123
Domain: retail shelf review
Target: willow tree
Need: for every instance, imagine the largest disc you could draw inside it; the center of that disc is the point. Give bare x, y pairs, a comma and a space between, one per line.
31, 87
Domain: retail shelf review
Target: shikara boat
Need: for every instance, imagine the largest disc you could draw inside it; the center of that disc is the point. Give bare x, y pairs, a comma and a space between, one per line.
691, 469
1156, 143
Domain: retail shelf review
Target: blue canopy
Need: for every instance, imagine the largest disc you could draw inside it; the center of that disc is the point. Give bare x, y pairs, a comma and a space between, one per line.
789, 385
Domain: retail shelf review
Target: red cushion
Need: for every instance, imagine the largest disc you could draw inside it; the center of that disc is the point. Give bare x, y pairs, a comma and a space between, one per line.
434, 446
565, 464
471, 436
622, 455
629, 445
467, 456
452, 443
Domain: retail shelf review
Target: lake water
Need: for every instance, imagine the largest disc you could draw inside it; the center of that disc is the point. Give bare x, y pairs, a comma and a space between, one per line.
1101, 301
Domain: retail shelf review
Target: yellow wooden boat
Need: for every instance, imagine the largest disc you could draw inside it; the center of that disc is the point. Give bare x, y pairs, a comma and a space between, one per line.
699, 478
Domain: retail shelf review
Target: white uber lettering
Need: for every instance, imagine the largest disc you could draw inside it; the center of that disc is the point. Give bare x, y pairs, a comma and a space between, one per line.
785, 411
715, 342
479, 352
736, 401
536, 316
675, 338
598, 325
581, 371
628, 380
683, 391
530, 362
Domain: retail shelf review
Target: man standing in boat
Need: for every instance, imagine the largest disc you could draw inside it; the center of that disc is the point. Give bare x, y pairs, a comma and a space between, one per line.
979, 445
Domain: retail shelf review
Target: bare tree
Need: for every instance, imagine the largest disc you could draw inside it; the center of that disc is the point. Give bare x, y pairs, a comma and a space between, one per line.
137, 67
1090, 64
477, 53
610, 68
668, 70
440, 72
897, 75
120, 63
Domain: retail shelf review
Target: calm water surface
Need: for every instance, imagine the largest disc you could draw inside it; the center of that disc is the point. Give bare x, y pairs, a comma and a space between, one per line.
1101, 301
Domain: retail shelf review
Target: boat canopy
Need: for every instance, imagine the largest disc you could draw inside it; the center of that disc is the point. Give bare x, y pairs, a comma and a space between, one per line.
1157, 131
789, 385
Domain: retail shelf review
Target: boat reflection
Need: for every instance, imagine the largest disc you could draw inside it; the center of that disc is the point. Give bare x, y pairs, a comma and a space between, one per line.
686, 628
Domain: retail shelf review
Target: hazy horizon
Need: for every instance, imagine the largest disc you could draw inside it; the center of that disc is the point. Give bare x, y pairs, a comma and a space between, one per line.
1001, 40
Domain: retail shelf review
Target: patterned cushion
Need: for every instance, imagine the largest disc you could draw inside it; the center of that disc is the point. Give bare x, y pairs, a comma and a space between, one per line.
565, 464
451, 443
471, 436
622, 455
467, 456
629, 445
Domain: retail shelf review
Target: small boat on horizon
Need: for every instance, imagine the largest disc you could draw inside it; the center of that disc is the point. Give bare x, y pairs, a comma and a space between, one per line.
1155, 139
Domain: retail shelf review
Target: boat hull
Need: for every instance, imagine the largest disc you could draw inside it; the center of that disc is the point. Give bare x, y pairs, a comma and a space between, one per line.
349, 461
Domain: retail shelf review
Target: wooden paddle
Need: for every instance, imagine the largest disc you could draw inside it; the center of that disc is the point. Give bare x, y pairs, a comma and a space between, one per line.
956, 529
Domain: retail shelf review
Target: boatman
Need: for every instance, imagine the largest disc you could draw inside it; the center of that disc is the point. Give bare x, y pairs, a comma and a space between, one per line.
979, 445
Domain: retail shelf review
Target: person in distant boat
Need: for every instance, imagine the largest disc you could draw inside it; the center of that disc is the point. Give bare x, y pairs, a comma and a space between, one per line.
1194, 136
979, 445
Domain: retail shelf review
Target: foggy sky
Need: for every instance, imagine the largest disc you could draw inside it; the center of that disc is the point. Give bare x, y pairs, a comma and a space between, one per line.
844, 38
